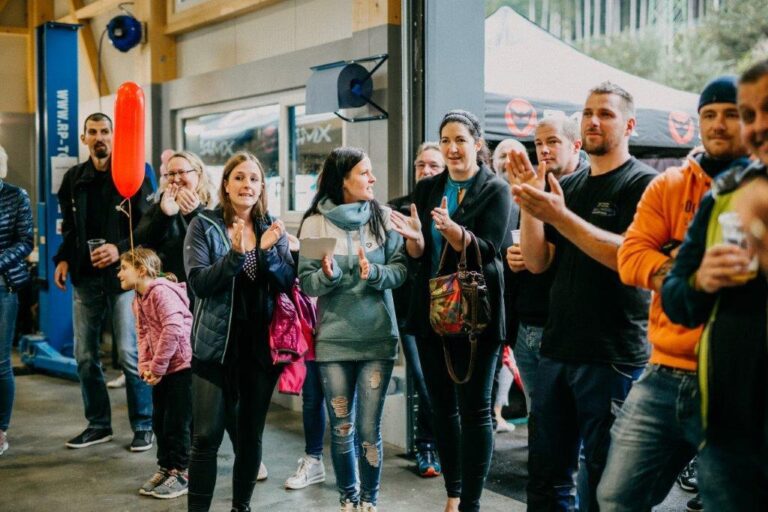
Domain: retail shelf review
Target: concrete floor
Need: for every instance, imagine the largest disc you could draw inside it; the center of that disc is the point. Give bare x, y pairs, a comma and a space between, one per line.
38, 473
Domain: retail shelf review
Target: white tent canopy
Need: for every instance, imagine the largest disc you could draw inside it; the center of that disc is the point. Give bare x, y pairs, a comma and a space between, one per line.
524, 62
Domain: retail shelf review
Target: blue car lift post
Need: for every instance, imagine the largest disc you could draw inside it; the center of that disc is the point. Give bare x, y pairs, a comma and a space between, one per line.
57, 135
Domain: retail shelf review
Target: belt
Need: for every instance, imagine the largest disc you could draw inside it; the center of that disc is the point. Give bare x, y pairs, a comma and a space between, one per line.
672, 369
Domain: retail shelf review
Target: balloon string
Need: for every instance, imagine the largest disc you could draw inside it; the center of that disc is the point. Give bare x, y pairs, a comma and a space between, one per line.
130, 224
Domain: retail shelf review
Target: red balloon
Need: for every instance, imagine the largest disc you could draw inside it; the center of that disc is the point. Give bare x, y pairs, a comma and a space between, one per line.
128, 146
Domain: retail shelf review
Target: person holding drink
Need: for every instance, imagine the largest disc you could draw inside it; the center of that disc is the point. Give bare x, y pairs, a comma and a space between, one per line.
94, 234
713, 281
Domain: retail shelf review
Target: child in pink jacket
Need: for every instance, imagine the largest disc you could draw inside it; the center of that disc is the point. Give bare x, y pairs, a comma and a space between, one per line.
163, 327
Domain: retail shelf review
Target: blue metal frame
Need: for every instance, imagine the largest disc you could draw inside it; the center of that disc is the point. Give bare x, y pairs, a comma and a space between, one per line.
57, 135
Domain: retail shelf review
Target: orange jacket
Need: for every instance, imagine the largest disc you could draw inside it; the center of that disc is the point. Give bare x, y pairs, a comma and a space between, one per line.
663, 214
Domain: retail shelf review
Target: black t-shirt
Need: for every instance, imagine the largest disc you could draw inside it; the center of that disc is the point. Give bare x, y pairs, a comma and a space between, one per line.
594, 318
100, 193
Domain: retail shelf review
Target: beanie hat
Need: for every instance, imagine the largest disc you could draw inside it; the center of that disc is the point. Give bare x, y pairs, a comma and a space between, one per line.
720, 90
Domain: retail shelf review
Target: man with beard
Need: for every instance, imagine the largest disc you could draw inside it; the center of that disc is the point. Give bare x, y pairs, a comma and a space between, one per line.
658, 429
716, 280
95, 233
593, 345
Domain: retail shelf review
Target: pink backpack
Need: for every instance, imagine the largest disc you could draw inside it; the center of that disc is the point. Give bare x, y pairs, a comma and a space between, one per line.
292, 329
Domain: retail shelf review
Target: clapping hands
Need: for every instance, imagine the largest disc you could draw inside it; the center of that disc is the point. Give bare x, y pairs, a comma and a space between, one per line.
272, 235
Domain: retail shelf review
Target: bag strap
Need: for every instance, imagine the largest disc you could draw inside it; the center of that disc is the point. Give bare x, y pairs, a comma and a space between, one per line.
462, 261
449, 361
473, 241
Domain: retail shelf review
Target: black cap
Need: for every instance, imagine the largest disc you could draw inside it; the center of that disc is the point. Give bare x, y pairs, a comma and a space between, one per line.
720, 90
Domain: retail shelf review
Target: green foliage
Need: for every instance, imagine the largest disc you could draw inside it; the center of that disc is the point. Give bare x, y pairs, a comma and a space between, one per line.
725, 42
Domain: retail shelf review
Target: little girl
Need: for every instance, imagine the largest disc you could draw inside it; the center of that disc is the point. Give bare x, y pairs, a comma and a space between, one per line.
163, 327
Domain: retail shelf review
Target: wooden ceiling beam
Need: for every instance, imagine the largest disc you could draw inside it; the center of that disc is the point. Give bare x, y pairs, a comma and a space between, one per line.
90, 11
209, 13
91, 48
38, 12
14, 31
160, 51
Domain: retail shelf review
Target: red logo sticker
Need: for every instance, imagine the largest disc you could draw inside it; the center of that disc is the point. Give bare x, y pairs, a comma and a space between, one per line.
521, 117
681, 127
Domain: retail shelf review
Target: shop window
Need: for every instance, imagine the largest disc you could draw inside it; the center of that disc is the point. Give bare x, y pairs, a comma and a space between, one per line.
312, 138
216, 137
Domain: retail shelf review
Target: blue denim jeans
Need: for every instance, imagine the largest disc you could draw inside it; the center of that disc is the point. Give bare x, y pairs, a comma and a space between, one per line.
9, 307
354, 394
733, 475
91, 303
574, 406
424, 438
656, 433
313, 411
527, 356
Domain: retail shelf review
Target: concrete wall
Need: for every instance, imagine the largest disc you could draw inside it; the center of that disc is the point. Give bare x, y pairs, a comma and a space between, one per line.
17, 136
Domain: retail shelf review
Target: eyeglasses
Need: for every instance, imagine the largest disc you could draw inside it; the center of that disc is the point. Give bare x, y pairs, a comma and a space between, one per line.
180, 172
421, 165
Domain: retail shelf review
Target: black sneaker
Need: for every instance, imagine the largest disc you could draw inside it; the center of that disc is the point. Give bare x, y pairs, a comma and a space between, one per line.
687, 479
694, 504
142, 441
89, 437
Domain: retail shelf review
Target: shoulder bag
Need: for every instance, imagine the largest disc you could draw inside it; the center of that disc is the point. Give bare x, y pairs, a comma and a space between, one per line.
459, 305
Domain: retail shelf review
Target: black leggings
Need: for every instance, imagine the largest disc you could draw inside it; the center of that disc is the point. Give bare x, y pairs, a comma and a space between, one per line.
234, 397
463, 412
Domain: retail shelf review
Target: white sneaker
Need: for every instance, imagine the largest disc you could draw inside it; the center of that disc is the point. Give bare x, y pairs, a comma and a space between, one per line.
117, 382
504, 426
348, 507
310, 471
3, 442
263, 473
367, 507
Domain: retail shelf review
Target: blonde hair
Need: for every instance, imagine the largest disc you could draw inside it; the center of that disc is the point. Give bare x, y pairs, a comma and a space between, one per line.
148, 260
205, 189
260, 208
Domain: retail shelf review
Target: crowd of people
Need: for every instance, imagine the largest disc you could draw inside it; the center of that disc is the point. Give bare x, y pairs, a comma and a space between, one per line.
633, 303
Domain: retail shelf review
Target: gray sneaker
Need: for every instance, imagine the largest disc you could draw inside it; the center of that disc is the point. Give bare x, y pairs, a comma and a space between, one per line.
175, 485
160, 475
310, 471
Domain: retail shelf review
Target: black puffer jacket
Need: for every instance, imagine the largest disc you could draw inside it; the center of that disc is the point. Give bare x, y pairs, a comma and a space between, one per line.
16, 239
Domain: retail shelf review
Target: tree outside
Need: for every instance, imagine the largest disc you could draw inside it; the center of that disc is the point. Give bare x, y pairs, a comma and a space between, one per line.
680, 43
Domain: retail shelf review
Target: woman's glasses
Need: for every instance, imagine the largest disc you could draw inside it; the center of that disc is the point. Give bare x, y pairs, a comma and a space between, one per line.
170, 175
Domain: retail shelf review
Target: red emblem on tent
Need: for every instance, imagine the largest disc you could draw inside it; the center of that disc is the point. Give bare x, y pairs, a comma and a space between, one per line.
521, 117
681, 127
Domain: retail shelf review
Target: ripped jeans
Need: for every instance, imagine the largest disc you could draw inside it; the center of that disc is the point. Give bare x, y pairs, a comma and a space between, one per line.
354, 394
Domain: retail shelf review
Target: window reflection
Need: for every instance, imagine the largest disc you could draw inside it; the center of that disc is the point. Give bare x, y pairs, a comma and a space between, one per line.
312, 138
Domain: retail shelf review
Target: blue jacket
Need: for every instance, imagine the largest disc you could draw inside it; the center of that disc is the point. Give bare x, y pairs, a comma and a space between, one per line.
211, 265
15, 235
732, 369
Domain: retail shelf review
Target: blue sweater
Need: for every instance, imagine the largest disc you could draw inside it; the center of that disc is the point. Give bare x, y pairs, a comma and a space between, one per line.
356, 318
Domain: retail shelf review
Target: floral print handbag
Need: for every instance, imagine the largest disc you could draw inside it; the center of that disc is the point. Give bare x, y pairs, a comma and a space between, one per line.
459, 304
